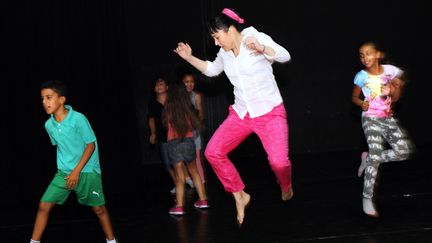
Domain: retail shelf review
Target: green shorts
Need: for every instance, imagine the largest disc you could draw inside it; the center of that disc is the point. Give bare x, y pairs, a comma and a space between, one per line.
89, 190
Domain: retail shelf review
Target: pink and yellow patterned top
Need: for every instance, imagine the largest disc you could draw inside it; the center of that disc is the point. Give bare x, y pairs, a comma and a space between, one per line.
376, 89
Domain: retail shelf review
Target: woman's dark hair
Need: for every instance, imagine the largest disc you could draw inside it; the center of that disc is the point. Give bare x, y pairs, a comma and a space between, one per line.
223, 22
179, 111
58, 86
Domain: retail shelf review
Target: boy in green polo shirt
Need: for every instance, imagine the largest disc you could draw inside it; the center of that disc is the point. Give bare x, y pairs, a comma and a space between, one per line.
77, 161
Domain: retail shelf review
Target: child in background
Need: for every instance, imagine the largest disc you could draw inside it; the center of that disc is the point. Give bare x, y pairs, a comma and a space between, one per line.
77, 161
188, 79
158, 133
180, 121
381, 86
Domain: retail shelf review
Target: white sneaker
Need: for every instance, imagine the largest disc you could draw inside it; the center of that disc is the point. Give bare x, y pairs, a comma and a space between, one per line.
362, 164
190, 182
369, 208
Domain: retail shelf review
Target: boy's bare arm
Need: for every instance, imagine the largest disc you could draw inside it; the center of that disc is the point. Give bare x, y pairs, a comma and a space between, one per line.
152, 126
73, 177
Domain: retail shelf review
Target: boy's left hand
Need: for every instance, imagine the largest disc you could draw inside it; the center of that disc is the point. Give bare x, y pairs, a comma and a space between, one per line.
72, 180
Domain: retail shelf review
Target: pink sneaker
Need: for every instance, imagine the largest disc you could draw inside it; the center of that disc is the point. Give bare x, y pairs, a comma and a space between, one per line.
201, 204
177, 211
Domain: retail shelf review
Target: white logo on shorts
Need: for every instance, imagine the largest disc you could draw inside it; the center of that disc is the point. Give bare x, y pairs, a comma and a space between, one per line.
94, 192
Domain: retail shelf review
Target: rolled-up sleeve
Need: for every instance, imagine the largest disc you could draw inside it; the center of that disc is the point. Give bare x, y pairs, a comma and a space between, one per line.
281, 54
215, 67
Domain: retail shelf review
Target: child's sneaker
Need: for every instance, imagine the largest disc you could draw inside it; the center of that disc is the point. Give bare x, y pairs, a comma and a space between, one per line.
112, 241
177, 211
190, 182
201, 204
369, 208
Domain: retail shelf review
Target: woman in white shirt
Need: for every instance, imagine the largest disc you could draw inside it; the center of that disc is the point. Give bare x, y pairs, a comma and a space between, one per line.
246, 57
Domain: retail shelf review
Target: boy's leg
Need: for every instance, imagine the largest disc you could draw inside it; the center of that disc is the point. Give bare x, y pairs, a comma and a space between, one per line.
56, 193
105, 221
163, 149
41, 219
90, 193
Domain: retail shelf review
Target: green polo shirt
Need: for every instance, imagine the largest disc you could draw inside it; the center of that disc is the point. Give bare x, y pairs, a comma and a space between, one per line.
71, 137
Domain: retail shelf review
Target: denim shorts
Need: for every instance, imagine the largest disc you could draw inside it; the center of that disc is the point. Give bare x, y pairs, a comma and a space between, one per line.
181, 150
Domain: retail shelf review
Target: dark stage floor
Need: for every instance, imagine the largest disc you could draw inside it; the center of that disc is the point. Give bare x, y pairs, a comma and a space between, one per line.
326, 207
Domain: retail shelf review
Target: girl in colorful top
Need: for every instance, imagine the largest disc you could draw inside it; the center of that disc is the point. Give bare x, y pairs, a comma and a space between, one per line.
376, 88
246, 56
180, 119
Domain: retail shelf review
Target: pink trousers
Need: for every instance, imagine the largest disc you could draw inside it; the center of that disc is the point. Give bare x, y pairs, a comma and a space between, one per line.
271, 128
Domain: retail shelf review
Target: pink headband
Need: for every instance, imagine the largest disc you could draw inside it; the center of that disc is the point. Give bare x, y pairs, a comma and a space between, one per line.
232, 15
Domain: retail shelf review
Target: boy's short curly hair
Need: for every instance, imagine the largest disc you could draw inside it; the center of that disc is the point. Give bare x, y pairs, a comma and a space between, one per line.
57, 85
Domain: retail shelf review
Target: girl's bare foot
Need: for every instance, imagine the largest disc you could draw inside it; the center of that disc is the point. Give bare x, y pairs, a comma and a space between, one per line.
287, 195
242, 200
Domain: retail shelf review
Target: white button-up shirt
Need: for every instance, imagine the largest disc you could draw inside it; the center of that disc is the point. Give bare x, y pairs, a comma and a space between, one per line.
255, 87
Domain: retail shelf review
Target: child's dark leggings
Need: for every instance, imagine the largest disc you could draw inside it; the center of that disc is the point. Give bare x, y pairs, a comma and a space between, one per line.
379, 132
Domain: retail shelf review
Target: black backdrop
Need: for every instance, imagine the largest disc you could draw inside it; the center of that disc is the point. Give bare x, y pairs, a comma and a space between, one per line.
109, 51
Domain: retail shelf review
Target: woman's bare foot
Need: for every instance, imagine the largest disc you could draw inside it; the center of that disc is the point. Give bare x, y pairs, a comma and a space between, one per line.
287, 195
242, 200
